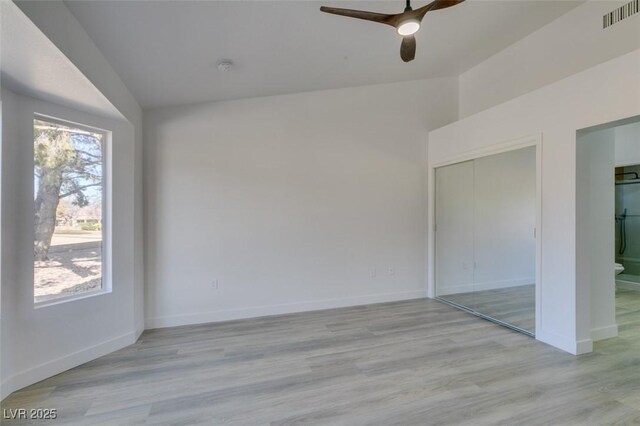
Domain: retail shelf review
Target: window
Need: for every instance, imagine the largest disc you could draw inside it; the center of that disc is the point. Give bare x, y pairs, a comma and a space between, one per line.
69, 205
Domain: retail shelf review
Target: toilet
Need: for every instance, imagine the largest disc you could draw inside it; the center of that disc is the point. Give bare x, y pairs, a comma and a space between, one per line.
619, 269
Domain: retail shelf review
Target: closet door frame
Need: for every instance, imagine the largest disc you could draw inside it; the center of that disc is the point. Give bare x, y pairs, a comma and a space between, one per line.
498, 148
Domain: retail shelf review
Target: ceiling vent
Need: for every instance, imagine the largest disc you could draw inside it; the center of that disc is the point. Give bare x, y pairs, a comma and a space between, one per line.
620, 13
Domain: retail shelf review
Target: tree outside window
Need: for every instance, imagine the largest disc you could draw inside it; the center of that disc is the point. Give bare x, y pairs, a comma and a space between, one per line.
68, 190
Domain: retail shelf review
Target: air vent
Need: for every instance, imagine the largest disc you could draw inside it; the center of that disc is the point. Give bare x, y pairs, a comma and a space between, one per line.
620, 13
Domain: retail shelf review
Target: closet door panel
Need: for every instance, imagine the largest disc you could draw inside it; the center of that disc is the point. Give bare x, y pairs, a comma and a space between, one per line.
454, 229
504, 239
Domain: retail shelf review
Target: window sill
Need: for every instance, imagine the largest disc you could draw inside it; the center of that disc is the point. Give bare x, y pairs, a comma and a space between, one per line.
72, 298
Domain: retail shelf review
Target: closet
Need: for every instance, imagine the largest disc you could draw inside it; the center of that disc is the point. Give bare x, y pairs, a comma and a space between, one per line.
485, 237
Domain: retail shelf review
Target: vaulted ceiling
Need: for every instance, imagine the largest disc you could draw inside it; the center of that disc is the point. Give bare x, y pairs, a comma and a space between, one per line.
167, 52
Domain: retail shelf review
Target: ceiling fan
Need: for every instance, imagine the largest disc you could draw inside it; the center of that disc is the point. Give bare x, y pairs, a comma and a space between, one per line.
406, 23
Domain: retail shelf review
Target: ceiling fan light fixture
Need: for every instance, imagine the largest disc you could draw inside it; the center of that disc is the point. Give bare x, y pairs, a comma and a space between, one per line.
408, 27
406, 23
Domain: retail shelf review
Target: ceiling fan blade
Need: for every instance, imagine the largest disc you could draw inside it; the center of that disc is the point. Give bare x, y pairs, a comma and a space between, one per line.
443, 4
408, 48
434, 5
361, 14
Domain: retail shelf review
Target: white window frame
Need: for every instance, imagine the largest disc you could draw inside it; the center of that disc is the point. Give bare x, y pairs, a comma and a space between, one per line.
106, 256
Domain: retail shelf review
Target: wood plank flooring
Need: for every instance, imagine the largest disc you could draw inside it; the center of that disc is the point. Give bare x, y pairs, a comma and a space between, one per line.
416, 362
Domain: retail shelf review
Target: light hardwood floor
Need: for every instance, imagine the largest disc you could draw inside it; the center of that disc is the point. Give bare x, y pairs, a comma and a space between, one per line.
415, 362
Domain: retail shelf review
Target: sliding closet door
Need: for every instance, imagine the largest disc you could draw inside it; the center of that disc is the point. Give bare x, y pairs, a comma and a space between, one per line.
454, 230
504, 237
485, 236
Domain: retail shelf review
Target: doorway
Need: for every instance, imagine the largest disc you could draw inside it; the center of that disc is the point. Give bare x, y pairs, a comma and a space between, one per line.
627, 232
608, 226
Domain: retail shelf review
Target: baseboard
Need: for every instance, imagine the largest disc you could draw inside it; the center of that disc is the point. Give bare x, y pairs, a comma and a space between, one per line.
64, 363
491, 285
139, 330
261, 311
628, 285
584, 346
602, 333
566, 344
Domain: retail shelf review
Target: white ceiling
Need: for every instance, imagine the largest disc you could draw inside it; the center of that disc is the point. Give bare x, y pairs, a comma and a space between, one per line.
167, 52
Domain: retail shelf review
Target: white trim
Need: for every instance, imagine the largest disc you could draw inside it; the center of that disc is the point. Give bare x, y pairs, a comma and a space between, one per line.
69, 123
498, 148
539, 230
107, 212
261, 311
106, 188
139, 329
604, 332
583, 347
65, 299
627, 285
64, 363
431, 227
1, 318
505, 146
561, 342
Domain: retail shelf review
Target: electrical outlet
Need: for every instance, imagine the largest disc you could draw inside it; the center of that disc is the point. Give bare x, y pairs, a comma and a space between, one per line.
214, 285
372, 273
392, 270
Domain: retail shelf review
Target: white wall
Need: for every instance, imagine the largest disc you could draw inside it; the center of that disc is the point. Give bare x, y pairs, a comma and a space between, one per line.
595, 233
627, 144
38, 343
605, 93
55, 20
573, 42
289, 202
